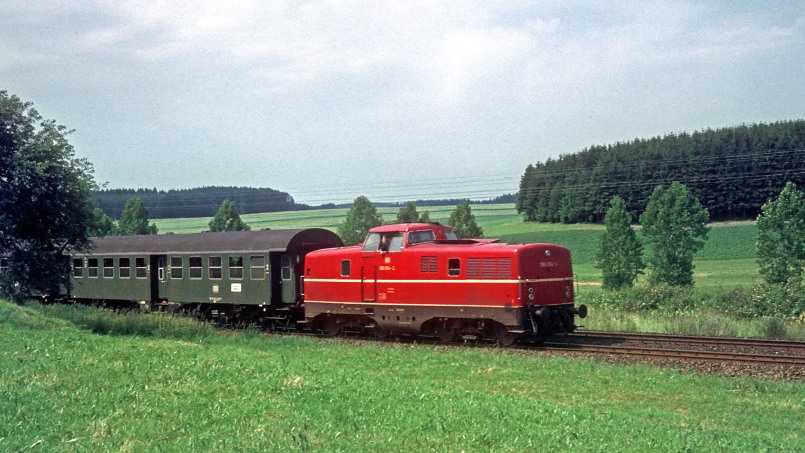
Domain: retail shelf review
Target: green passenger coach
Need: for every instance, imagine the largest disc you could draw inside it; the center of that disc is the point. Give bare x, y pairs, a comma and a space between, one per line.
246, 274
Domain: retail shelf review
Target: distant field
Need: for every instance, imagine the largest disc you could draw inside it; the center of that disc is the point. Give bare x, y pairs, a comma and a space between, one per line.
726, 261
74, 378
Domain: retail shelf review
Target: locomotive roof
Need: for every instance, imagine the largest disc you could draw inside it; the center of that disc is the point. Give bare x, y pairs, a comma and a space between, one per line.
227, 241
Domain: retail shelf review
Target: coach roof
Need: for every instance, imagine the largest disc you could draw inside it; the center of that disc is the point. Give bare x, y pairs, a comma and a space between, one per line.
228, 241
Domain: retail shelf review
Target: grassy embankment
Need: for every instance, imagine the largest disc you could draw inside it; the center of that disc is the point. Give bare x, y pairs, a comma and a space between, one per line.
78, 379
726, 262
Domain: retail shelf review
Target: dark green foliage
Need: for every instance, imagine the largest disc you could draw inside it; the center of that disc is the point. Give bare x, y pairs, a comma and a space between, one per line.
228, 219
463, 221
408, 213
361, 217
45, 199
774, 300
197, 202
619, 254
102, 225
781, 237
135, 219
674, 229
732, 171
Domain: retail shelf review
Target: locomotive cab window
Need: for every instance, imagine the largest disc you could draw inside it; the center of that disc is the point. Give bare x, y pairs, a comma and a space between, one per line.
346, 268
372, 242
236, 267
257, 267
177, 269
454, 267
78, 267
418, 237
92, 268
124, 268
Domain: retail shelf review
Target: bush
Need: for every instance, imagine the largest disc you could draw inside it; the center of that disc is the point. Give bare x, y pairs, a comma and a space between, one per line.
775, 300
663, 298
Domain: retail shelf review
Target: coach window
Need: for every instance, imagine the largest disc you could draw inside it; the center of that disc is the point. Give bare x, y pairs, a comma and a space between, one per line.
108, 267
286, 267
177, 270
236, 267
346, 268
92, 268
257, 267
214, 264
195, 267
124, 267
78, 267
454, 267
141, 270
4, 264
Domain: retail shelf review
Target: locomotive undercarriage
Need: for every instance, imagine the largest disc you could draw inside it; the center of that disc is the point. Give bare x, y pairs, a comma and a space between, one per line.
504, 325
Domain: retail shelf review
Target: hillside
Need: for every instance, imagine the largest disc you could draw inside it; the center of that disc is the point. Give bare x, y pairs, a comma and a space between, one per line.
733, 172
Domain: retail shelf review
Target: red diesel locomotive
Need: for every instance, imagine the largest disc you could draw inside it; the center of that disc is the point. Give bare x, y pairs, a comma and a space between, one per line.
421, 279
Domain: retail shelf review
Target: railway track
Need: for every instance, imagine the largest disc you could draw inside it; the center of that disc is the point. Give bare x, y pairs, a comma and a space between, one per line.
757, 351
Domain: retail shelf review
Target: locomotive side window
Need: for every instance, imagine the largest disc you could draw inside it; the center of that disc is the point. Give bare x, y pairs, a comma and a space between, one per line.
124, 267
451, 234
236, 267
141, 270
454, 267
92, 268
257, 266
108, 267
396, 243
346, 268
214, 263
78, 267
177, 269
195, 268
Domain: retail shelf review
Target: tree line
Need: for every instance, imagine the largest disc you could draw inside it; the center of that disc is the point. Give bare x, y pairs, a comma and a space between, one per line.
732, 171
197, 202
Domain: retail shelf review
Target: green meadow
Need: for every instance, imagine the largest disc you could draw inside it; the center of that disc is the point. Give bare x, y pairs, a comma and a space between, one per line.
73, 378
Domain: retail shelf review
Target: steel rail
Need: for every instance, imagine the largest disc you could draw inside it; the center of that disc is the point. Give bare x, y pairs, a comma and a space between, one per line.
790, 345
771, 359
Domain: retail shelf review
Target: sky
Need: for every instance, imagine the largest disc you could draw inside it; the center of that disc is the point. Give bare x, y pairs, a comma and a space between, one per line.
330, 100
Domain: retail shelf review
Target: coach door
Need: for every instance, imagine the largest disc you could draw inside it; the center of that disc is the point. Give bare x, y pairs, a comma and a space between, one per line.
288, 278
159, 277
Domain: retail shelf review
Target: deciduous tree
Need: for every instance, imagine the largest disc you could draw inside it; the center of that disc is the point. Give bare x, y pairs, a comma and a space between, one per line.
46, 200
135, 219
463, 220
620, 253
228, 218
781, 236
361, 217
674, 229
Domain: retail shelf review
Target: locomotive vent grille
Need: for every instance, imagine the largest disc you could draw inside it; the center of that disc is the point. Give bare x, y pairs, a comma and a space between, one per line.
489, 268
427, 264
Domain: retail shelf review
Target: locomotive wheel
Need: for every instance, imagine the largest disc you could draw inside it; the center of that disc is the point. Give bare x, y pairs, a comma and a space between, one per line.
445, 335
331, 328
381, 333
503, 336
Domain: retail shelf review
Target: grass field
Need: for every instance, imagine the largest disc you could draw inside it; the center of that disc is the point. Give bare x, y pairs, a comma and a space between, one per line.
77, 379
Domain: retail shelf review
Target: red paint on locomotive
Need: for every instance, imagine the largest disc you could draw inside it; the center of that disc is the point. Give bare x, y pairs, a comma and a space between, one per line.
421, 279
